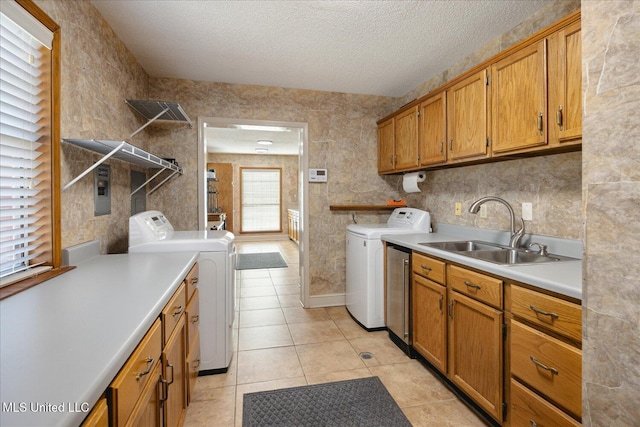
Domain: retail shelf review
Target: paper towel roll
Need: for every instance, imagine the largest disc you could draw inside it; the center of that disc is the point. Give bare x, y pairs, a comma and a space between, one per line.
410, 181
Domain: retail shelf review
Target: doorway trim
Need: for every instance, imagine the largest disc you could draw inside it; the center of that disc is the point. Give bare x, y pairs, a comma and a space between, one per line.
303, 190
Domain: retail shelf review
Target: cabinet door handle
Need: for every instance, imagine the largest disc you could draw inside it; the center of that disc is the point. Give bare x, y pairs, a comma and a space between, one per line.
169, 365
195, 365
451, 309
440, 302
543, 366
559, 116
533, 423
540, 122
178, 311
542, 312
472, 285
146, 371
441, 147
451, 145
425, 268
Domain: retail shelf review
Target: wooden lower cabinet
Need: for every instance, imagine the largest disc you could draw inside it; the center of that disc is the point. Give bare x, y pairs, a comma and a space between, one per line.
174, 366
529, 409
430, 321
99, 415
476, 351
148, 411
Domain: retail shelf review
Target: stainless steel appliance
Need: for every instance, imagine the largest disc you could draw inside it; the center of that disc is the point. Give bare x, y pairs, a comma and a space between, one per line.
398, 296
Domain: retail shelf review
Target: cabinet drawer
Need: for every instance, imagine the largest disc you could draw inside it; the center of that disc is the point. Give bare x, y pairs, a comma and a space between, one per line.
147, 411
193, 317
172, 312
558, 315
193, 365
528, 408
129, 383
99, 416
550, 366
427, 267
483, 288
192, 281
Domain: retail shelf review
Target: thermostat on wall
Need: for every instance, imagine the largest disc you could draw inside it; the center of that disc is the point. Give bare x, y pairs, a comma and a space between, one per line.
317, 175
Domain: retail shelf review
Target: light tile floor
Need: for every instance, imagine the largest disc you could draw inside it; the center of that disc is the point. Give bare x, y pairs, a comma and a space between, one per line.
279, 344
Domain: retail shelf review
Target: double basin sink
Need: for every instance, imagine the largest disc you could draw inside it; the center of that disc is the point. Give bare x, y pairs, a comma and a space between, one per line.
498, 254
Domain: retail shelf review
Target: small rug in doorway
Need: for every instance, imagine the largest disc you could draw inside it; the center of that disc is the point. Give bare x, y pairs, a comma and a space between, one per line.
260, 260
361, 402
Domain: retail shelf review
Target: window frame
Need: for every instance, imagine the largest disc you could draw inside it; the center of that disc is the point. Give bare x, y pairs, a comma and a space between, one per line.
266, 168
55, 206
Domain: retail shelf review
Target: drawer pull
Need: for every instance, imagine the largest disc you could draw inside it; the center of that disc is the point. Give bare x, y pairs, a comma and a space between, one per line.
533, 423
424, 267
178, 311
195, 365
195, 319
146, 371
194, 281
472, 285
543, 366
544, 313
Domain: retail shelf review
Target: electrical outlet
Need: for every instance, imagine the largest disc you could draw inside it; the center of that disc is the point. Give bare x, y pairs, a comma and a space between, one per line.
458, 209
527, 211
483, 211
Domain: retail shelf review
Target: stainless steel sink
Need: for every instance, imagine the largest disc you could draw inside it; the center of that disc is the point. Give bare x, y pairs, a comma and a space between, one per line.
464, 246
498, 254
515, 256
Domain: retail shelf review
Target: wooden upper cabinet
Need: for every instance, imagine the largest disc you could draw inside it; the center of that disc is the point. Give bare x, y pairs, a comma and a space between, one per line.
565, 86
386, 146
467, 118
406, 139
519, 100
432, 131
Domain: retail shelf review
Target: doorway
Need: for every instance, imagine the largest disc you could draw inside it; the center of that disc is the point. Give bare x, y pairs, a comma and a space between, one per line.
241, 136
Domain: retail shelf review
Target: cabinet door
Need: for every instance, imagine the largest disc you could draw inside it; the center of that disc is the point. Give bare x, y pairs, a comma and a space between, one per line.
386, 152
406, 139
476, 351
99, 416
174, 363
519, 100
147, 411
467, 117
433, 130
565, 85
430, 321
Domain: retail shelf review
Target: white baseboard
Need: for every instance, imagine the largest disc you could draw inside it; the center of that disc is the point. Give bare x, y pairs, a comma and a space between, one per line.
331, 300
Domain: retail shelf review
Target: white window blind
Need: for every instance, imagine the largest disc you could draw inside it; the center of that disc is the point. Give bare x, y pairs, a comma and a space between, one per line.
260, 198
24, 142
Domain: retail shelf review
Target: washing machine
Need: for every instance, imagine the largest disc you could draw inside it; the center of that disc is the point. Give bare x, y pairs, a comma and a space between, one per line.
151, 232
365, 263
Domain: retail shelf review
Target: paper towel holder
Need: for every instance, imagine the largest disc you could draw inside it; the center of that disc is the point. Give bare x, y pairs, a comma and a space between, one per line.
410, 181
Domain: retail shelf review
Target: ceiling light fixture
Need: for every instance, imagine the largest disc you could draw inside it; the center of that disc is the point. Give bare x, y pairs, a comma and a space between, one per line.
261, 150
265, 142
265, 128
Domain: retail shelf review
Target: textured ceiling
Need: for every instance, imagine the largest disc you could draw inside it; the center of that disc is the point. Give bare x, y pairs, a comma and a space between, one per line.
366, 47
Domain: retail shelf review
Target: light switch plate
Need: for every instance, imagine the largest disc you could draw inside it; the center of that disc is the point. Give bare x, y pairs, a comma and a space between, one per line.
483, 211
527, 211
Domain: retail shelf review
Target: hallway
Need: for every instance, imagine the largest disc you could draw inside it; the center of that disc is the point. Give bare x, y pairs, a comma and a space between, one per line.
279, 344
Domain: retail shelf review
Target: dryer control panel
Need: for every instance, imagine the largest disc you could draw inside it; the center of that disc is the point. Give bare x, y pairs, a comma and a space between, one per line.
416, 219
148, 226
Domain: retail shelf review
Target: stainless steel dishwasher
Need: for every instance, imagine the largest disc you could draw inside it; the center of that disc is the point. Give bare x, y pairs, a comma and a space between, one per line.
398, 296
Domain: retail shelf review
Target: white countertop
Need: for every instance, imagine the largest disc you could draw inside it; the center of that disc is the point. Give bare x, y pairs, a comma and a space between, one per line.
62, 342
563, 277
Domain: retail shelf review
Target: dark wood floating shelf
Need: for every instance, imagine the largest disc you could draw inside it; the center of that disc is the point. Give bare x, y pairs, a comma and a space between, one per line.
363, 207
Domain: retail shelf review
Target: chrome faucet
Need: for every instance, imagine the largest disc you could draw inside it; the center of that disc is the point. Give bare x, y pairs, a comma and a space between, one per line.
516, 236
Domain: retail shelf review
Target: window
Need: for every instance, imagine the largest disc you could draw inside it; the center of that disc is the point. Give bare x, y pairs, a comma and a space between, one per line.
260, 200
29, 145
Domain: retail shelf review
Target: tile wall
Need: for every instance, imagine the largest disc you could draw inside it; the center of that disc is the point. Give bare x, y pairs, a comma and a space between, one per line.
98, 74
611, 201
